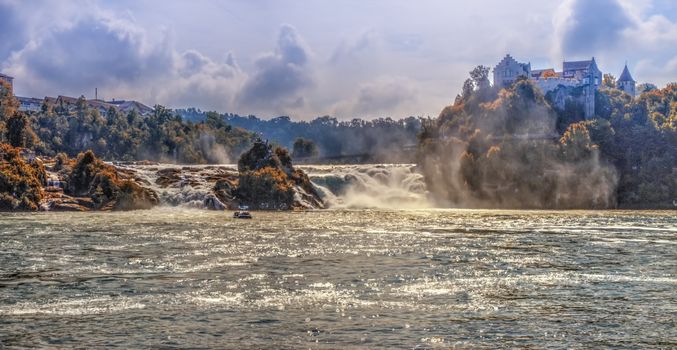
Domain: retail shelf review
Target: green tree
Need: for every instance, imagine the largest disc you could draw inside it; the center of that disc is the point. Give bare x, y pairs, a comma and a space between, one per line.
480, 76
8, 106
19, 133
609, 81
304, 148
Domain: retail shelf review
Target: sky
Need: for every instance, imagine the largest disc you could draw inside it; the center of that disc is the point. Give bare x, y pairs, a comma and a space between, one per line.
348, 59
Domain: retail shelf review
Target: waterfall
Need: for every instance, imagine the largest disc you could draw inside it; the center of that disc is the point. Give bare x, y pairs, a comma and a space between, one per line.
369, 186
340, 186
189, 186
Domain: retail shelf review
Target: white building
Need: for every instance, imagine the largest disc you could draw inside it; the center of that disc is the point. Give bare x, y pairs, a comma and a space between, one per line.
30, 104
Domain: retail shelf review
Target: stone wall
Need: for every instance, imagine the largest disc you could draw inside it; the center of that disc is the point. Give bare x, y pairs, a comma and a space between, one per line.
549, 84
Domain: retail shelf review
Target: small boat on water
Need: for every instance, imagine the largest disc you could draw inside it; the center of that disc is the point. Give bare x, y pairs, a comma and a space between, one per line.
242, 215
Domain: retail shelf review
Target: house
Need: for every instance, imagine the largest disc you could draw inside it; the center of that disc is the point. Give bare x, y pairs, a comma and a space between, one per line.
128, 106
69, 104
30, 104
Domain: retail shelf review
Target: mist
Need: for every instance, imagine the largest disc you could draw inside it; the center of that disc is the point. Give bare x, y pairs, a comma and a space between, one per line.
370, 186
503, 150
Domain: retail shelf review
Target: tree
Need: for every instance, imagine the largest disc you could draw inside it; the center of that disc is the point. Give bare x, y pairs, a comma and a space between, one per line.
304, 148
8, 103
467, 89
8, 106
550, 74
480, 76
215, 120
646, 87
609, 81
19, 133
576, 144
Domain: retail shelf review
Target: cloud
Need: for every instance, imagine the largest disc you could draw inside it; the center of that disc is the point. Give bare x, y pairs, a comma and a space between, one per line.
12, 33
616, 31
116, 56
585, 27
91, 53
125, 49
280, 76
201, 82
347, 50
379, 97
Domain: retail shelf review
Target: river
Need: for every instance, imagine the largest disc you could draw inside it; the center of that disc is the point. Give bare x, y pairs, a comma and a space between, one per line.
341, 278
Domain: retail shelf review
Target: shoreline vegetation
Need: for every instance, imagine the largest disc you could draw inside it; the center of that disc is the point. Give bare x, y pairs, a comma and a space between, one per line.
511, 148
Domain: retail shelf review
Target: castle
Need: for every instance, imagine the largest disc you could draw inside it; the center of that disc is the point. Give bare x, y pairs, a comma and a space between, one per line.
574, 74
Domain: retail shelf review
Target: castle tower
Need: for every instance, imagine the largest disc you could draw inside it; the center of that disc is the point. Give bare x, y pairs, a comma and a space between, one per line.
593, 78
509, 70
626, 83
589, 92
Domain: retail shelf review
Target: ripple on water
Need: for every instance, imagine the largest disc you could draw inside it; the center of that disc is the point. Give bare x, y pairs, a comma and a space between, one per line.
339, 279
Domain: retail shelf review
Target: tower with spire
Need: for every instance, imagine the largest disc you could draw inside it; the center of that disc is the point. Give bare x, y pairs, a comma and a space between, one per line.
626, 83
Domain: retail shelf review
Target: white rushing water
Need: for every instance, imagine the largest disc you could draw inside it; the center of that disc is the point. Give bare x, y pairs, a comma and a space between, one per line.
193, 188
388, 186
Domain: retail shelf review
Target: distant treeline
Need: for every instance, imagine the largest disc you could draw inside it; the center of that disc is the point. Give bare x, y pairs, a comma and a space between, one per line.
384, 139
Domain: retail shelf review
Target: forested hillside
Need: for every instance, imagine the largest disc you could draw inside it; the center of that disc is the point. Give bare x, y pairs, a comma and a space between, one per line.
512, 149
160, 136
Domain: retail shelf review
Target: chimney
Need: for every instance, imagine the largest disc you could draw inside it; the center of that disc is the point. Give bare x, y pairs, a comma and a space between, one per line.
96, 93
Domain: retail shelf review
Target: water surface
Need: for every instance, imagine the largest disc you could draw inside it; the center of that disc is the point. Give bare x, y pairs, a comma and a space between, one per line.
178, 278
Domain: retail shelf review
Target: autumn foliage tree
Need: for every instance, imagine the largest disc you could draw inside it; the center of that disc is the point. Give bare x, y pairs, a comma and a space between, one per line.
20, 182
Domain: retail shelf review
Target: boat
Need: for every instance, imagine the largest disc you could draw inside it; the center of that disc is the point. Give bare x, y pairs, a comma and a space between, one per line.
242, 215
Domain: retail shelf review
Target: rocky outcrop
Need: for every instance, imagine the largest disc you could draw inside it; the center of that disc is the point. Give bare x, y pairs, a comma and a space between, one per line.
90, 184
268, 180
265, 179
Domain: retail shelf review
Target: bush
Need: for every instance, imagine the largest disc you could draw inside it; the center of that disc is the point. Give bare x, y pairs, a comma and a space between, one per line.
266, 188
268, 179
20, 183
93, 178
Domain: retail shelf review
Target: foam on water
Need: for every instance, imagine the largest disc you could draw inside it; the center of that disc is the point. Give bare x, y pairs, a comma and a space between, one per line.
394, 186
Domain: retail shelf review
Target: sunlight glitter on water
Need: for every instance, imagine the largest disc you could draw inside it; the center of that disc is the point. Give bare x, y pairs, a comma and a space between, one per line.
339, 279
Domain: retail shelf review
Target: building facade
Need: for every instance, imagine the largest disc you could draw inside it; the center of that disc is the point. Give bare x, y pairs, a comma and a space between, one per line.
30, 104
575, 74
508, 70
